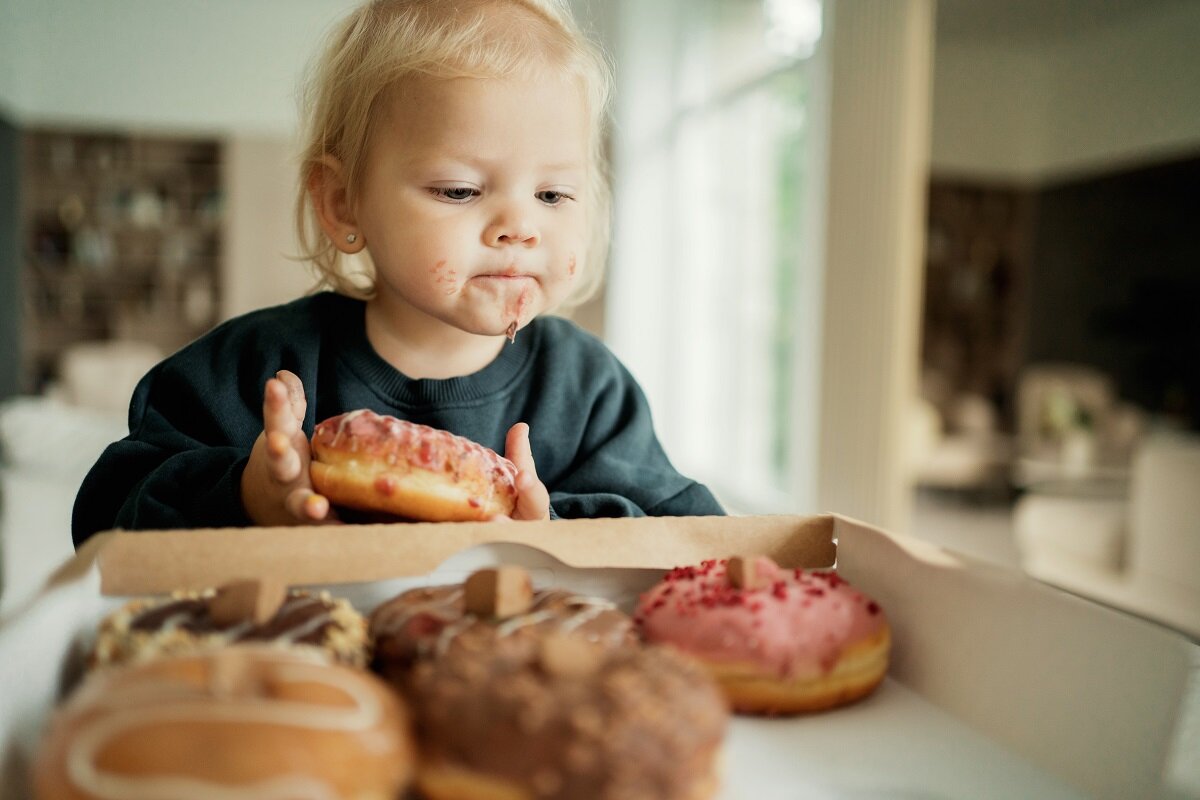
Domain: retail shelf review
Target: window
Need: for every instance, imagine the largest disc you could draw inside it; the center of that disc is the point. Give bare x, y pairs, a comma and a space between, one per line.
712, 300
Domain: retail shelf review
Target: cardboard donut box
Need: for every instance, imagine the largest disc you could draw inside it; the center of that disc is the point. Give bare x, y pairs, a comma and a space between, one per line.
999, 686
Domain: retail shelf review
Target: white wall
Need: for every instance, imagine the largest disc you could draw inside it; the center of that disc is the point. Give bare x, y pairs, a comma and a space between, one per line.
259, 245
1121, 94
1038, 109
220, 65
12, 28
990, 104
178, 65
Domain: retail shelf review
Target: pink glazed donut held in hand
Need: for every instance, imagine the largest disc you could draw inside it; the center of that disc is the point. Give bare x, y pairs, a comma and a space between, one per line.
379, 463
779, 641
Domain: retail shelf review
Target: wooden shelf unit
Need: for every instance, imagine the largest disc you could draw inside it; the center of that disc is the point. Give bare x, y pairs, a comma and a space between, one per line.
121, 239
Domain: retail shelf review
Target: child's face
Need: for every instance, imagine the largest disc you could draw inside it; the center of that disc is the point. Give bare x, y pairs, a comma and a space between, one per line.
473, 200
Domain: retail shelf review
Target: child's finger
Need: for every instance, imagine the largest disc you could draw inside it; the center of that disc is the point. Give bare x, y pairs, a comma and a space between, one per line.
296, 398
305, 504
277, 412
533, 501
284, 462
518, 450
278, 444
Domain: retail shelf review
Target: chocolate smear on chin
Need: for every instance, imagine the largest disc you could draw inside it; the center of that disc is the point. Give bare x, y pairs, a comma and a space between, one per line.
511, 333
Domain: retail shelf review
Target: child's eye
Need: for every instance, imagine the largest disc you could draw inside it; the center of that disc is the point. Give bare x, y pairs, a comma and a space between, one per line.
453, 194
552, 198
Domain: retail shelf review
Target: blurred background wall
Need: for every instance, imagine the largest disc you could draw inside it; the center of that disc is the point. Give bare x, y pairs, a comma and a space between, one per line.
1037, 92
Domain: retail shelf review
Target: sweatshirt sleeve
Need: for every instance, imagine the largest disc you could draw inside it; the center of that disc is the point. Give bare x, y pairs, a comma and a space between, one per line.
180, 467
193, 420
620, 468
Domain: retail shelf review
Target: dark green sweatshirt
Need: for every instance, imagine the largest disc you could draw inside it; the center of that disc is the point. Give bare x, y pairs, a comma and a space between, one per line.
195, 416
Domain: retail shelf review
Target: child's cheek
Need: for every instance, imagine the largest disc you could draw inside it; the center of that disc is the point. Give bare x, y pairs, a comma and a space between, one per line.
445, 278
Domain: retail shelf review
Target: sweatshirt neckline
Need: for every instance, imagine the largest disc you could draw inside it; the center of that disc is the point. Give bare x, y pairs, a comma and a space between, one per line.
382, 377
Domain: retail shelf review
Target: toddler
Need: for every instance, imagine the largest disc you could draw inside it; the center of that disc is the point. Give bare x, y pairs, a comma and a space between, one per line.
452, 191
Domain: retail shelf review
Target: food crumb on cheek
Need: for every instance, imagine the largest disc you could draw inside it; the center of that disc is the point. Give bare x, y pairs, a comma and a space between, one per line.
445, 278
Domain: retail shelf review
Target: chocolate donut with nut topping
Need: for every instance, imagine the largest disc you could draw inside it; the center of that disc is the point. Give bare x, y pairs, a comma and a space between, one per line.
557, 718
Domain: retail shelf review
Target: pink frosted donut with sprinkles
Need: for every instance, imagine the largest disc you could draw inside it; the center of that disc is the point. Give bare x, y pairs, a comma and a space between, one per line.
379, 464
779, 641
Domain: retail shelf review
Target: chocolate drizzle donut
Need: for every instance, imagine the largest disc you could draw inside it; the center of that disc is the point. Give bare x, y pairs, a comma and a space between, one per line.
429, 622
378, 463
192, 621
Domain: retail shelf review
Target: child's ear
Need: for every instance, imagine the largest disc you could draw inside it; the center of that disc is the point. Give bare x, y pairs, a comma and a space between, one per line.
327, 189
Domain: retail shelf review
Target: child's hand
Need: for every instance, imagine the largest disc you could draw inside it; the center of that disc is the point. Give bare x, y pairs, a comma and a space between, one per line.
276, 487
533, 501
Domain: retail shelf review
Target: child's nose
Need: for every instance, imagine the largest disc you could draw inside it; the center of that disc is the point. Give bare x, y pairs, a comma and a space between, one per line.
511, 229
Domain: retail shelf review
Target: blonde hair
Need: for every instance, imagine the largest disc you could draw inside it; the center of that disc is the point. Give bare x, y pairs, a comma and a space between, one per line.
385, 41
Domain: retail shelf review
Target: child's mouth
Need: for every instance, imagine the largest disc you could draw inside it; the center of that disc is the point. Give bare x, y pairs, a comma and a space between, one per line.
504, 280
505, 276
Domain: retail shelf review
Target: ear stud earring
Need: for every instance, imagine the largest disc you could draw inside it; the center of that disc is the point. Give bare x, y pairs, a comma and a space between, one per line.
351, 238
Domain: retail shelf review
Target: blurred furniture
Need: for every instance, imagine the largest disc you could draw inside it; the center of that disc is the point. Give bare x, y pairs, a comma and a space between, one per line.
47, 445
965, 452
1071, 426
102, 375
1132, 544
121, 238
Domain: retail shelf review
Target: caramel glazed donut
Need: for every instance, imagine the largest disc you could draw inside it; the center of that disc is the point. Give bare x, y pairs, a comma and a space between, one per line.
256, 610
377, 463
245, 722
778, 641
523, 695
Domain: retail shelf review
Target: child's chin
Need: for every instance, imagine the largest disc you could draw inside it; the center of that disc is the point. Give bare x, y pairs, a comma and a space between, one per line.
494, 327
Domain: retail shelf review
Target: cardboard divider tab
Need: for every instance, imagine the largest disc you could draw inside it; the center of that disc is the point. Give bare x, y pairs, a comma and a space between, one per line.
155, 562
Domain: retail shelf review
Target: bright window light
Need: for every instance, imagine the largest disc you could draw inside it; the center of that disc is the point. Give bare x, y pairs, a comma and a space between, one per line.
793, 26
712, 291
